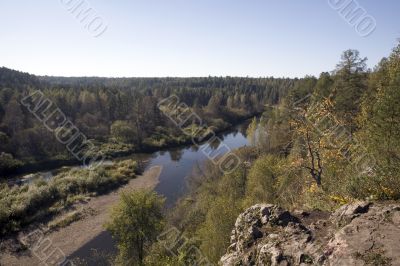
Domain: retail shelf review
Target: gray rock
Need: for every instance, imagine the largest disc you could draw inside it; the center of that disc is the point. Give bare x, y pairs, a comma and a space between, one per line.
355, 234
347, 213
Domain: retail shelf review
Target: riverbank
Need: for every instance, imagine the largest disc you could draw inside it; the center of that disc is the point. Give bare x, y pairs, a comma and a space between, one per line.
73, 236
49, 165
177, 166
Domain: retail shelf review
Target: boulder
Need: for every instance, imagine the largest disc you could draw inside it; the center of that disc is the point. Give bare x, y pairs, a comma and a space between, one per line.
356, 234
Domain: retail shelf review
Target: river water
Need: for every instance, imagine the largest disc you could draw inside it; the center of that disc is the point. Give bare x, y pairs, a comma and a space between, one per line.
177, 165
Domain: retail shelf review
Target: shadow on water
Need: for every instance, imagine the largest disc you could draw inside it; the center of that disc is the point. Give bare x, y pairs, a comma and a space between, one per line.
178, 164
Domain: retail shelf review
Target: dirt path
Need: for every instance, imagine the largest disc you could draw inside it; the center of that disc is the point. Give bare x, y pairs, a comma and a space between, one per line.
75, 235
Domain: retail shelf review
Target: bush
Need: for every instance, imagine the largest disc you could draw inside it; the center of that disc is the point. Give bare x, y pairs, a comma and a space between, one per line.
160, 256
262, 180
8, 163
123, 131
136, 222
67, 220
22, 205
217, 228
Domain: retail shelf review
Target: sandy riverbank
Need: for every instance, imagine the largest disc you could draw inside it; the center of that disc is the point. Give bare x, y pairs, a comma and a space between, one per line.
72, 237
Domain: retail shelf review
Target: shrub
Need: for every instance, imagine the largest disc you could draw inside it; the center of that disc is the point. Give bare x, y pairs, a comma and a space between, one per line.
8, 163
67, 220
136, 222
20, 205
262, 180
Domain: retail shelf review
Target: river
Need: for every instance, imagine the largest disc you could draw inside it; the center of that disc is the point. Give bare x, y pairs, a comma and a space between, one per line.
177, 165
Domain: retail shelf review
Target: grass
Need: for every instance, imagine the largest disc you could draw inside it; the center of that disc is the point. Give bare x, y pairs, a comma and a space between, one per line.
23, 205
66, 220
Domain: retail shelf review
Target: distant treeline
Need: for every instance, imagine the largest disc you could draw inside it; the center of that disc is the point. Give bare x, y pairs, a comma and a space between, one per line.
121, 114
330, 141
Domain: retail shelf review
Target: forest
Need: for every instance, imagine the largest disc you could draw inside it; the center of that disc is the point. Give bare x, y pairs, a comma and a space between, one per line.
329, 141
200, 133
317, 143
118, 116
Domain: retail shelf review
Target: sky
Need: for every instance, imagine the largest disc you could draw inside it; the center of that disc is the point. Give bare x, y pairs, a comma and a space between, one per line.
187, 38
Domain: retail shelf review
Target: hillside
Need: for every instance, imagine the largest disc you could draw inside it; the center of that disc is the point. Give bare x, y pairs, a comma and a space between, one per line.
10, 78
331, 141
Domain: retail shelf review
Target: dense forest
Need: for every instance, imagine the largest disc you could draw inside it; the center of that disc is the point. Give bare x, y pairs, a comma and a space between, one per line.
330, 140
320, 142
119, 115
200, 133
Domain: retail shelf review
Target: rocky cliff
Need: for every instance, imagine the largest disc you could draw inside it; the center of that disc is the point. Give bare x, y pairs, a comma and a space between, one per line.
361, 233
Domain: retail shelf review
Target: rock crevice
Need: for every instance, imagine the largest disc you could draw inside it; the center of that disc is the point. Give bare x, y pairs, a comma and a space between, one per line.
355, 234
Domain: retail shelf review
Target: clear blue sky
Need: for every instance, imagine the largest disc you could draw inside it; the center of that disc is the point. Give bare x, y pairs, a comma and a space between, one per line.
190, 37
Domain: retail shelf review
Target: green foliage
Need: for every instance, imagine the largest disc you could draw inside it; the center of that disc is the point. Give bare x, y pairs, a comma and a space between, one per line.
122, 115
210, 213
323, 87
380, 130
217, 227
327, 141
251, 131
21, 205
136, 222
158, 255
349, 85
262, 180
300, 94
346, 132
67, 220
8, 163
123, 131
278, 133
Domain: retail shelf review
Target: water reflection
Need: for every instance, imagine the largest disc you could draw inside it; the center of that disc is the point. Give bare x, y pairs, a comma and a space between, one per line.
176, 155
178, 164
